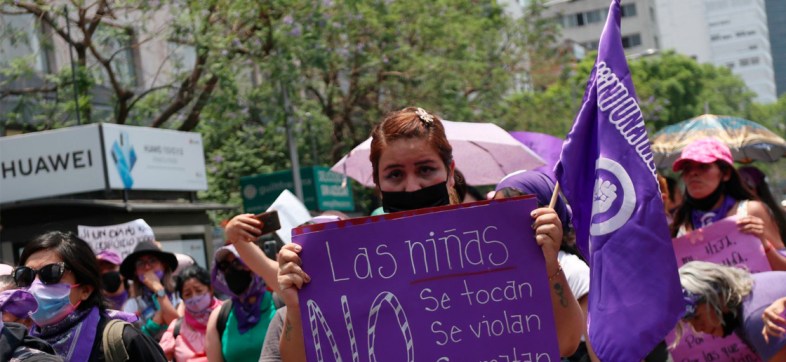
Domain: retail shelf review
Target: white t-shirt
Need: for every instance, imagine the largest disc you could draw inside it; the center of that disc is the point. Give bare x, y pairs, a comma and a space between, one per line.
576, 273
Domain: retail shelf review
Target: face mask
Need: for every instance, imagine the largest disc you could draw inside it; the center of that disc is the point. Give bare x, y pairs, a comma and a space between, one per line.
54, 302
237, 280
730, 323
434, 195
198, 303
159, 274
111, 281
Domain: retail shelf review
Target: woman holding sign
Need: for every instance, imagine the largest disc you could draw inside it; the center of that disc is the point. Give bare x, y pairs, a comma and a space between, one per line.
722, 300
413, 168
713, 191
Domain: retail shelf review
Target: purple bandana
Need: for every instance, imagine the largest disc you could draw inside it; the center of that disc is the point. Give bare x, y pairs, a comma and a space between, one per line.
73, 337
701, 218
247, 305
117, 301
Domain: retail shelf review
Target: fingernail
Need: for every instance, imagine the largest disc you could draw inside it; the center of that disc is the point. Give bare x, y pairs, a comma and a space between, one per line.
533, 214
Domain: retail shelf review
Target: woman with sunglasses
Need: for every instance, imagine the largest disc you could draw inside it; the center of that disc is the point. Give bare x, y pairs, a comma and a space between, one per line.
61, 272
236, 331
721, 300
154, 300
184, 340
413, 168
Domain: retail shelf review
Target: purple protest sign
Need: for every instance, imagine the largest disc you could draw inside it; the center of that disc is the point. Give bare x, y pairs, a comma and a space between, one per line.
720, 243
428, 287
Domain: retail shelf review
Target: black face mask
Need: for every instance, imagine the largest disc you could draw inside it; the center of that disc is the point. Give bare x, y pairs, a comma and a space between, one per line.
730, 323
237, 280
708, 202
111, 281
434, 195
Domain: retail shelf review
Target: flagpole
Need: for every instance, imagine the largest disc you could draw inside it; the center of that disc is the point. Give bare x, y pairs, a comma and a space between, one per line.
554, 196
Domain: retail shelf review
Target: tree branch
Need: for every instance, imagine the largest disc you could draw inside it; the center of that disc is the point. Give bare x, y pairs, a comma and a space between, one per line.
193, 117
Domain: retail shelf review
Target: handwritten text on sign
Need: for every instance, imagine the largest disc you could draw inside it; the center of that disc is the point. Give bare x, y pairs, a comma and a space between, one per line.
719, 243
120, 238
429, 287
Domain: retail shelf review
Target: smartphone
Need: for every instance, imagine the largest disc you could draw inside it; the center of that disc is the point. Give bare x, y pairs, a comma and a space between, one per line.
269, 220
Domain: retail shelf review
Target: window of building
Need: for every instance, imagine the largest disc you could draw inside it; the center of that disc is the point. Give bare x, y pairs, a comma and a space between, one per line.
715, 37
631, 41
744, 62
118, 41
754, 60
594, 16
580, 19
21, 38
182, 56
730, 65
628, 10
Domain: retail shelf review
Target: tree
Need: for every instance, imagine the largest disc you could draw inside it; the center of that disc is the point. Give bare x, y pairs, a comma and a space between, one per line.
670, 87
103, 34
361, 59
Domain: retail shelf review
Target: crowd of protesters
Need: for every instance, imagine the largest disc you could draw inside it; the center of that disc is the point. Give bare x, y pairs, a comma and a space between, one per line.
154, 305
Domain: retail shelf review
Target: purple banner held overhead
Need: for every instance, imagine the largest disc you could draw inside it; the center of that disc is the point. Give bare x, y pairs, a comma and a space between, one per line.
544, 145
453, 284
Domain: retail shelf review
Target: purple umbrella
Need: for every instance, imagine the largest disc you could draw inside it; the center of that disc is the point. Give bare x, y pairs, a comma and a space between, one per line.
546, 146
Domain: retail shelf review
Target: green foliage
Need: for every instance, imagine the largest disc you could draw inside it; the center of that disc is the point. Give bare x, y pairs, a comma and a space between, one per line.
671, 88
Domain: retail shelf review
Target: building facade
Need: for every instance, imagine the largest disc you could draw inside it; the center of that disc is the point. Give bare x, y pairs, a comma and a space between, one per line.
776, 22
582, 21
729, 33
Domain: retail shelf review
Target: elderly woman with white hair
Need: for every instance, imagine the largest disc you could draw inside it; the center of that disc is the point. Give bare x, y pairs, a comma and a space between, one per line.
722, 300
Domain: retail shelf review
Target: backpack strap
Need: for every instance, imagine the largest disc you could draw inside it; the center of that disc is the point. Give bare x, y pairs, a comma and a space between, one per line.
112, 340
176, 332
223, 316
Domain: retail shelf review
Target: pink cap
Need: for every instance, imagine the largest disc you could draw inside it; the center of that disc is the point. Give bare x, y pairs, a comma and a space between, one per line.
109, 256
706, 150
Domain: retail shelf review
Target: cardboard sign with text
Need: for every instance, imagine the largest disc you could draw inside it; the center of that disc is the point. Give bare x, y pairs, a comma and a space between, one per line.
720, 243
120, 238
444, 284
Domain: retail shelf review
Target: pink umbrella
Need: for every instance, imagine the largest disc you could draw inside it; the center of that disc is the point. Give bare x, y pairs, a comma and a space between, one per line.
483, 152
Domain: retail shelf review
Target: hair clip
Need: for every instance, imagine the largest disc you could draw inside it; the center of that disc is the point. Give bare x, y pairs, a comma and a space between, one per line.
425, 117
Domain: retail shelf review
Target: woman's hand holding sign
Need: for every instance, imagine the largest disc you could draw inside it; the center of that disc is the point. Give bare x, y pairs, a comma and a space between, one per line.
291, 276
548, 232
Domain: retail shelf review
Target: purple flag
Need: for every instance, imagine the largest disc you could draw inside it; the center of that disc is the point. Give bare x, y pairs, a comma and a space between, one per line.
607, 173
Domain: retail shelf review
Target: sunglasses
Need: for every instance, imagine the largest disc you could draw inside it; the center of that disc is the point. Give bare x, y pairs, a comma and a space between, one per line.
48, 274
235, 264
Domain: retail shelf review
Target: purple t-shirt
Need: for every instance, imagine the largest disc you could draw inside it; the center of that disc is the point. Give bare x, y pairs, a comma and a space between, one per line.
767, 288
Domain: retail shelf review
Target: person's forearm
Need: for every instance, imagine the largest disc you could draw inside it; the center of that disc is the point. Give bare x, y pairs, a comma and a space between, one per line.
292, 346
568, 317
259, 263
168, 311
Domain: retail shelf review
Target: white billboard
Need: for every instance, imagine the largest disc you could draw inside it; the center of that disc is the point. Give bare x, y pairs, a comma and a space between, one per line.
143, 158
58, 162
